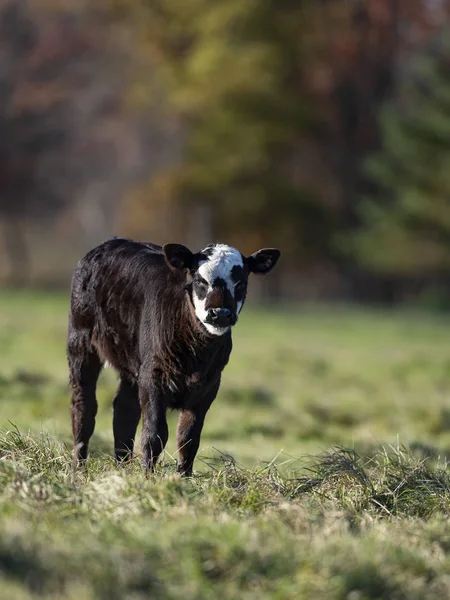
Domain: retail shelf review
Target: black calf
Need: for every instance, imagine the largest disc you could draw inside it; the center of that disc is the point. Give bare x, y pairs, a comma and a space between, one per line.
162, 318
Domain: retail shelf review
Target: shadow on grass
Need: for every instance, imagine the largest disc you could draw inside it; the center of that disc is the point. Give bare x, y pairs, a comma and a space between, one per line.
22, 565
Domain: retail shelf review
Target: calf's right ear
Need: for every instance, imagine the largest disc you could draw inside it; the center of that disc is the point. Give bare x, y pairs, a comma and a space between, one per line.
263, 261
178, 256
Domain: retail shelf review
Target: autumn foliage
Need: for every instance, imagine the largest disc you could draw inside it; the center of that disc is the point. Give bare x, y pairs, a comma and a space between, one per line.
250, 122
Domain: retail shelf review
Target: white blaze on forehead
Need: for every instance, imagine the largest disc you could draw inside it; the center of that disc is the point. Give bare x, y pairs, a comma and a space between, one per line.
219, 263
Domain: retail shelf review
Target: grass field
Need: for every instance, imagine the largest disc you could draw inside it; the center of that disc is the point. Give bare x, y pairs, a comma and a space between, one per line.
322, 470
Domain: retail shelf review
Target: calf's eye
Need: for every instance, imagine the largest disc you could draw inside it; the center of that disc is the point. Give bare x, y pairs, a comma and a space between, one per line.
202, 284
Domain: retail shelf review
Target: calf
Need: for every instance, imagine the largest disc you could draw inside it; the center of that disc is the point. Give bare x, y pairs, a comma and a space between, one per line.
162, 318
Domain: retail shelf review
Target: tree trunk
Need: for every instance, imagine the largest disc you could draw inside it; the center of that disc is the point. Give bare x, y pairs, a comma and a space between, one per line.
17, 256
201, 226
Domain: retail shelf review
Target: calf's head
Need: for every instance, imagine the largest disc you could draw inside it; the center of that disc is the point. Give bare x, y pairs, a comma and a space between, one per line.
216, 280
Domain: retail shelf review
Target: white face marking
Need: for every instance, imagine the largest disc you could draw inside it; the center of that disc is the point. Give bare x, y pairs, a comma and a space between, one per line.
219, 264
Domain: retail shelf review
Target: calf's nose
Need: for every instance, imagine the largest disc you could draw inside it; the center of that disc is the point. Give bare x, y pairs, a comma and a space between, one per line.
221, 313
220, 316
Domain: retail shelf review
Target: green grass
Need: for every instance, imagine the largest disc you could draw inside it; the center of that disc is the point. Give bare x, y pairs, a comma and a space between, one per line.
322, 471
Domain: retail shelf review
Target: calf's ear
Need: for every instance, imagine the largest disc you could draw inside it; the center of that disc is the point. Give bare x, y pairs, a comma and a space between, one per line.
178, 256
263, 261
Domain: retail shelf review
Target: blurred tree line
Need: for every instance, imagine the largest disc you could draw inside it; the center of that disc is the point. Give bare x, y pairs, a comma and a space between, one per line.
405, 222
319, 126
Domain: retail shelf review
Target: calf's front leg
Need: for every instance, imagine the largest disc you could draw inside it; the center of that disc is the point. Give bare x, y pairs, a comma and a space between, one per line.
189, 430
127, 413
154, 428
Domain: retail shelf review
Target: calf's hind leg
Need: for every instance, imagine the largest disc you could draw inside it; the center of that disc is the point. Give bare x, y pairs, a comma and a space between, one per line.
84, 372
127, 412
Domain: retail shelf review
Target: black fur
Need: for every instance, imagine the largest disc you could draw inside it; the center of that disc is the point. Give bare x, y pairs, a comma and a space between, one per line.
131, 305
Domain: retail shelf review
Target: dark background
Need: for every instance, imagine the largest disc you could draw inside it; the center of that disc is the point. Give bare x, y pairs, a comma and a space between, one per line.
320, 127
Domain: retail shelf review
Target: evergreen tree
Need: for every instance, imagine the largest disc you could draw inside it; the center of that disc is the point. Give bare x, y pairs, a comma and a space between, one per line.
406, 224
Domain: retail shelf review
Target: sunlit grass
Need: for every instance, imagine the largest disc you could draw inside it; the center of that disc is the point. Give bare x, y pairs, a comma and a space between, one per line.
322, 471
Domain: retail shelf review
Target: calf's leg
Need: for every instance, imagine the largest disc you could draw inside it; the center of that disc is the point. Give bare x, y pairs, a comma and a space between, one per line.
127, 412
189, 429
84, 371
155, 432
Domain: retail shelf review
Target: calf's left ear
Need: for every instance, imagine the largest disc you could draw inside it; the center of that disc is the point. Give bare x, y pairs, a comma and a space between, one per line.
178, 256
263, 261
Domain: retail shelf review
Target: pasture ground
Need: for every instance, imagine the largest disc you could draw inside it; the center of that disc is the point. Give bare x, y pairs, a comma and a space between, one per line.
322, 471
